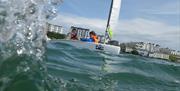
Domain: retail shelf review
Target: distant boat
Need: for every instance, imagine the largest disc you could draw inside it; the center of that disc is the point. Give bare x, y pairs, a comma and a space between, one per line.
106, 43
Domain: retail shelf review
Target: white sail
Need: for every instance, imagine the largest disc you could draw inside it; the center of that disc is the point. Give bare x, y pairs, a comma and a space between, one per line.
115, 13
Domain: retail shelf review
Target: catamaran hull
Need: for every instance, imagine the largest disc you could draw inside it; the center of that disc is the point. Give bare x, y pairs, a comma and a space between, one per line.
92, 46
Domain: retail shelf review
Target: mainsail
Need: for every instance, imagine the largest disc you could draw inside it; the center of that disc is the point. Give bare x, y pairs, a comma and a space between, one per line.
113, 18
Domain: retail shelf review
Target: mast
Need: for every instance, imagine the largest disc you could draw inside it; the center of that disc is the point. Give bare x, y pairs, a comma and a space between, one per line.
112, 18
110, 11
108, 22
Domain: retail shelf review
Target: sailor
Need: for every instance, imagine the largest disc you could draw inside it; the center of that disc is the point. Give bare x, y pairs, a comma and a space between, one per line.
93, 38
74, 34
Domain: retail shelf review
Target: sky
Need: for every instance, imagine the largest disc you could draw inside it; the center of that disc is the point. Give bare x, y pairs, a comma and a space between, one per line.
154, 21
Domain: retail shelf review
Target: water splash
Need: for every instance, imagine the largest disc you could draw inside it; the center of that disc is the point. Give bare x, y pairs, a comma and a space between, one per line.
22, 25
22, 39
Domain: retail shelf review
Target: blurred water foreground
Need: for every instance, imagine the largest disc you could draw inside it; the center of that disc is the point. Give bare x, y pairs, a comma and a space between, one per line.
22, 25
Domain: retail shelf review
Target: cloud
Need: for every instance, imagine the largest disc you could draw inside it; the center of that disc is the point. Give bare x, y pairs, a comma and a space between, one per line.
72, 20
149, 27
140, 29
172, 8
137, 29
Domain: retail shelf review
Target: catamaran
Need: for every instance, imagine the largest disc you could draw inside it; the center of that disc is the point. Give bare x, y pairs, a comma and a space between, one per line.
106, 43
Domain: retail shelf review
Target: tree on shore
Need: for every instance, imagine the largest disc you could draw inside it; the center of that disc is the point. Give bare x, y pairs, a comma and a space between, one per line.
53, 35
135, 52
173, 58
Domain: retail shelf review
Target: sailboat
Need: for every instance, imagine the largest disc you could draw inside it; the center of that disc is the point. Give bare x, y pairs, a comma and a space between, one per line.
102, 46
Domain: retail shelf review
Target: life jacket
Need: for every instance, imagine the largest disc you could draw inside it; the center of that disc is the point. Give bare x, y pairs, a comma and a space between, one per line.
95, 39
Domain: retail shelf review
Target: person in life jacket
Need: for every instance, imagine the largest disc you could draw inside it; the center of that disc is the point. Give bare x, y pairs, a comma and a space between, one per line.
93, 38
74, 35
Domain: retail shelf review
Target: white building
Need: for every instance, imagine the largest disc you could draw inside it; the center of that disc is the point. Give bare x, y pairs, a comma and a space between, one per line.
128, 49
159, 55
175, 53
147, 46
139, 45
142, 52
54, 28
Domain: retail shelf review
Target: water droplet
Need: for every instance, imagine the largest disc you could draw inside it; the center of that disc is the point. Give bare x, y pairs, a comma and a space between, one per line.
26, 69
19, 51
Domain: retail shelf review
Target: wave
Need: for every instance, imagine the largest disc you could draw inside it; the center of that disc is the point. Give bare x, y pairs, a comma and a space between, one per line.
66, 68
92, 71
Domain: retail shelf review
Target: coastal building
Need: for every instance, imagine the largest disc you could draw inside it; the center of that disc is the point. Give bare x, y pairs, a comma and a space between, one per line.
151, 50
149, 47
159, 55
143, 52
178, 53
139, 45
165, 50
128, 50
131, 45
156, 48
173, 52
54, 28
178, 58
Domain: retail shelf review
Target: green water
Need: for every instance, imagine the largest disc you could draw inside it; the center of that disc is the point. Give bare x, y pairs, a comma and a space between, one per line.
66, 68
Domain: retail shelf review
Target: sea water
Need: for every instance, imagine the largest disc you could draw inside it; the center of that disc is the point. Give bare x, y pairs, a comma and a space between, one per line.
29, 63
